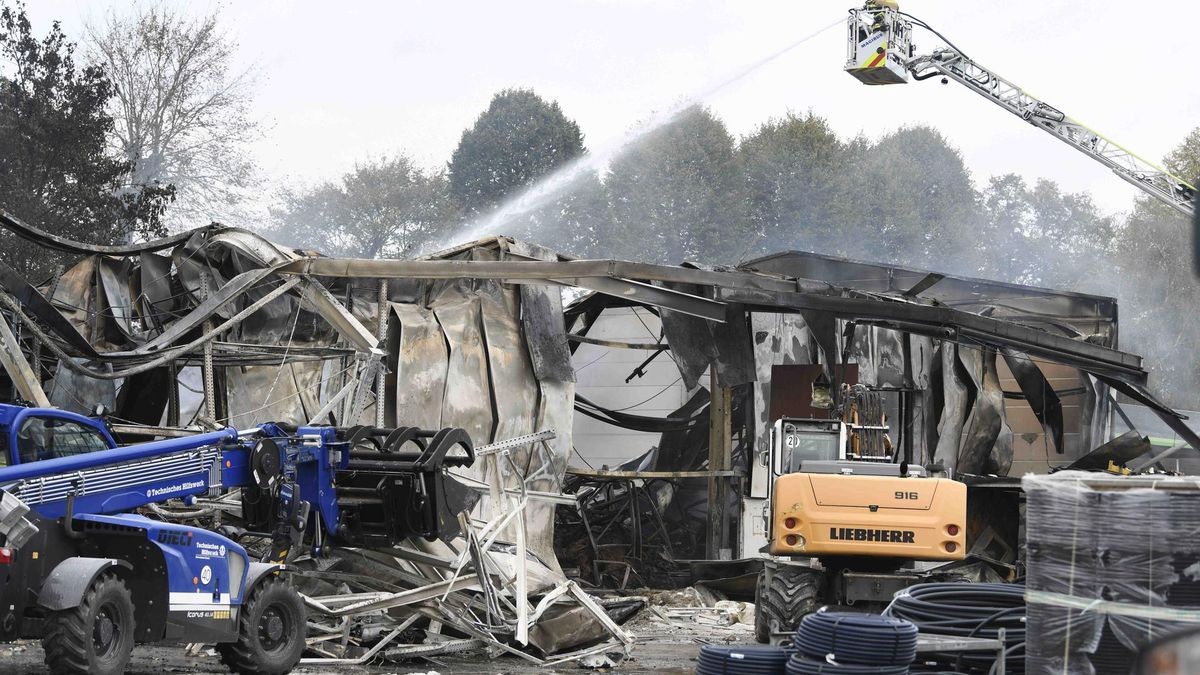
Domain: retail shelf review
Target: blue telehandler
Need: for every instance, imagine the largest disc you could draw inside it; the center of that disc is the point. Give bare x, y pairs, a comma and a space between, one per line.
90, 577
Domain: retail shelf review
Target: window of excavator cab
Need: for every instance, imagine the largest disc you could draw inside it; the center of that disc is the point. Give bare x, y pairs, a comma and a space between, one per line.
41, 438
805, 445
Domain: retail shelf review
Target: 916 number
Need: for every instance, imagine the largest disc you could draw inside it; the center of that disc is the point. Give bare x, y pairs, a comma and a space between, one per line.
906, 495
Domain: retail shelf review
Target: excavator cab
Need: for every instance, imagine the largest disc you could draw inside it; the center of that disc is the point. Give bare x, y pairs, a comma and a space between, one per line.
804, 440
879, 44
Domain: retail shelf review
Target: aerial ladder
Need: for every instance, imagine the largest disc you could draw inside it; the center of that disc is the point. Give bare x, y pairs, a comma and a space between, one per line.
880, 51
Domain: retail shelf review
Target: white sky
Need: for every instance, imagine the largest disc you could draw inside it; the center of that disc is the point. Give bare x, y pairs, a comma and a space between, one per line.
351, 80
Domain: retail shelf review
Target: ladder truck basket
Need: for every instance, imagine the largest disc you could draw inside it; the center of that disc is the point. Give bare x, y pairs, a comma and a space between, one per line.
879, 43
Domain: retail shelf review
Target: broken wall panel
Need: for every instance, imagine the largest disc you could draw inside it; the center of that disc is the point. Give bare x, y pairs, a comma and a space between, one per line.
421, 362
691, 345
880, 355
1083, 415
921, 411
540, 311
1039, 393
956, 394
71, 308
984, 448
157, 298
78, 393
466, 361
697, 343
117, 299
556, 410
545, 332
514, 395
514, 386
468, 400
777, 339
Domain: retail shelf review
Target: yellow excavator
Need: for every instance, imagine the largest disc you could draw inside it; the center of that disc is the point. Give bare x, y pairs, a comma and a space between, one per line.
847, 519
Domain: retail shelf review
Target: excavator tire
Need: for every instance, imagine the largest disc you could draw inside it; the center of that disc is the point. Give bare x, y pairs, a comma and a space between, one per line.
783, 595
94, 638
271, 632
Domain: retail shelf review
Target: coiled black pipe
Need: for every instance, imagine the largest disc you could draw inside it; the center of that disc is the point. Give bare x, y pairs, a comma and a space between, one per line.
861, 639
802, 665
968, 610
751, 660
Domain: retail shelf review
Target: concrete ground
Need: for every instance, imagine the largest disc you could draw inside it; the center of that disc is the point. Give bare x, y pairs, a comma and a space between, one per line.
669, 635
651, 658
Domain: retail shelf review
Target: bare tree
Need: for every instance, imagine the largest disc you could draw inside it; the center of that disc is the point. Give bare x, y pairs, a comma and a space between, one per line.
181, 109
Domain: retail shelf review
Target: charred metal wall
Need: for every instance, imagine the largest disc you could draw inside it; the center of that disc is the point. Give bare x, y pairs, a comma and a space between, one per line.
490, 358
971, 407
981, 409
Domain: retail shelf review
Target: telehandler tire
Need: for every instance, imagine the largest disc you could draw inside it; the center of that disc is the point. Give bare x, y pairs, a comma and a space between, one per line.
271, 631
783, 596
97, 636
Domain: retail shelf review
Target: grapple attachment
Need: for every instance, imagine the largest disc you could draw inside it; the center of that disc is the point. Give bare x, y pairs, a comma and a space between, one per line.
393, 485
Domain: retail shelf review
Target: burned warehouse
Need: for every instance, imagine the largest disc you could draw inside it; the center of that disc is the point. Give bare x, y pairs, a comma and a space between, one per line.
311, 363
784, 359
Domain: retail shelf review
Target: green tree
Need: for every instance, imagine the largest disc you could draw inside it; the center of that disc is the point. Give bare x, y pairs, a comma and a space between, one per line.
54, 170
386, 208
1073, 235
909, 200
1008, 216
678, 194
517, 171
1042, 235
1184, 160
572, 216
518, 139
794, 178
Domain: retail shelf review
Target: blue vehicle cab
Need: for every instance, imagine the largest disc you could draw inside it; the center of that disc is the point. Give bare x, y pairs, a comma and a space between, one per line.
38, 434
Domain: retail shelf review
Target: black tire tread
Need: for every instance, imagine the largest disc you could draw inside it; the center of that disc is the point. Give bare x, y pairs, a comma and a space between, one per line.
239, 656
67, 634
792, 593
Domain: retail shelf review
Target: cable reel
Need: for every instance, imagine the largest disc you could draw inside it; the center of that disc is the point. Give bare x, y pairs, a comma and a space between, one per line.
265, 465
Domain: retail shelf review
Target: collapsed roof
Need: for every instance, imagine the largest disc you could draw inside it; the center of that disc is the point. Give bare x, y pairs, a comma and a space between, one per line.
124, 311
